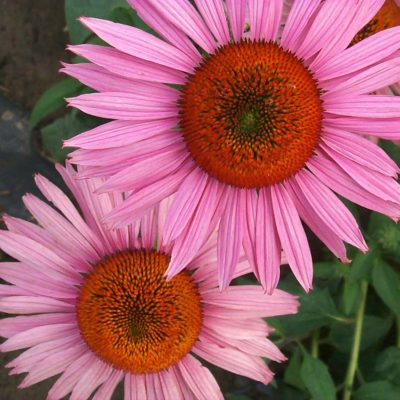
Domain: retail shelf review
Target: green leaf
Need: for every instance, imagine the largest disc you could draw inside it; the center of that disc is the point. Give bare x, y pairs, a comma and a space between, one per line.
129, 16
387, 365
387, 284
374, 328
378, 390
317, 379
88, 8
330, 270
291, 374
351, 296
53, 99
63, 128
361, 266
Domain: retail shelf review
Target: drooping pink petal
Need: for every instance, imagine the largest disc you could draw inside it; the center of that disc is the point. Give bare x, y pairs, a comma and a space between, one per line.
183, 15
138, 43
315, 223
330, 209
360, 150
234, 360
92, 377
107, 389
196, 233
128, 66
170, 385
342, 183
230, 236
250, 229
199, 379
268, 246
292, 236
380, 185
184, 204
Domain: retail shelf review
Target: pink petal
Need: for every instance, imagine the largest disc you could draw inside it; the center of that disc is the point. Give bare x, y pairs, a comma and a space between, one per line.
213, 13
170, 385
31, 252
268, 247
138, 43
363, 54
360, 150
234, 361
249, 236
265, 18
365, 106
169, 31
33, 305
300, 15
197, 231
184, 204
330, 209
128, 66
107, 389
339, 181
293, 238
230, 235
183, 15
237, 17
199, 379
135, 387
37, 335
13, 325
376, 183
316, 224
125, 106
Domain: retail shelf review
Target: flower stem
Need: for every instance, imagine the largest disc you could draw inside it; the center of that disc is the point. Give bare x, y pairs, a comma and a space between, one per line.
315, 343
353, 364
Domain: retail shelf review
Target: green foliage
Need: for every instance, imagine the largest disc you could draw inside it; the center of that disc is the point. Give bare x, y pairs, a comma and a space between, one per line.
63, 128
88, 8
379, 390
316, 377
53, 99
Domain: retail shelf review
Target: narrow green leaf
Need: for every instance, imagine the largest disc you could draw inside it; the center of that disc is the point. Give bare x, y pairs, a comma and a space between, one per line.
387, 284
317, 379
378, 390
53, 99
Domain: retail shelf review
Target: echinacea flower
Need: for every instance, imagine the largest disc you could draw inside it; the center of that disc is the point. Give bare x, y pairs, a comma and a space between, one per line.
252, 134
94, 305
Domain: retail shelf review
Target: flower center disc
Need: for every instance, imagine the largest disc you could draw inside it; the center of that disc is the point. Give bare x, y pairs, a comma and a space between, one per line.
132, 318
387, 17
251, 114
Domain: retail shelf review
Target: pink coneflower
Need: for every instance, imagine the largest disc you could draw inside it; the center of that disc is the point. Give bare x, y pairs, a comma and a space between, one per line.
253, 135
97, 308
